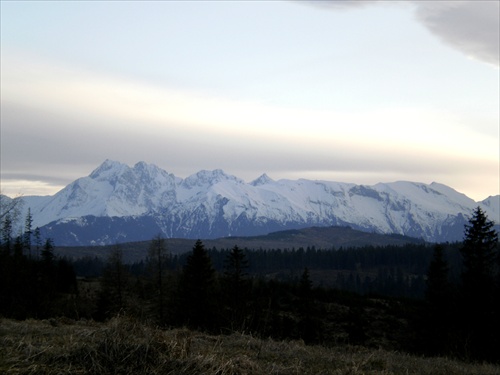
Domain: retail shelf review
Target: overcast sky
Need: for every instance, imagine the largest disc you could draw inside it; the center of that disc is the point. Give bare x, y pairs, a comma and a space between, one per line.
349, 91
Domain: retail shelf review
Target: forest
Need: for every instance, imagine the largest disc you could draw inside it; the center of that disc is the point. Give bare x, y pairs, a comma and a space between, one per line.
428, 299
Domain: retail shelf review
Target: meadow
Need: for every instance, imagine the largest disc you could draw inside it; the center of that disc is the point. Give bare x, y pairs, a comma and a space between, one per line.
125, 346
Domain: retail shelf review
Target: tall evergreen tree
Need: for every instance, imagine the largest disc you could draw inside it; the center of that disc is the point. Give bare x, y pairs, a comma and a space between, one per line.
197, 295
235, 265
114, 283
437, 277
236, 286
9, 215
478, 279
18, 248
479, 254
38, 241
158, 258
48, 252
438, 294
28, 232
308, 324
7, 234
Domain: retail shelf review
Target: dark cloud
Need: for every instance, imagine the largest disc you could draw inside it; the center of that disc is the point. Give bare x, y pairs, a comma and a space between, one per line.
472, 27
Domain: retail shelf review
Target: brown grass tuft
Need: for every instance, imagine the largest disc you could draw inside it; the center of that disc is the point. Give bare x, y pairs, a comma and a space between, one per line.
125, 346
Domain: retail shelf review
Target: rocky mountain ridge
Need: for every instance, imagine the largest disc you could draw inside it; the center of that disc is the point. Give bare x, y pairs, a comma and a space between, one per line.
117, 203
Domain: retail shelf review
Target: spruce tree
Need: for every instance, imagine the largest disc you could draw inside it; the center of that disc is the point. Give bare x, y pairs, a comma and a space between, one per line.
38, 241
9, 214
438, 295
114, 282
48, 252
158, 259
308, 324
479, 254
28, 232
7, 234
235, 286
438, 287
197, 295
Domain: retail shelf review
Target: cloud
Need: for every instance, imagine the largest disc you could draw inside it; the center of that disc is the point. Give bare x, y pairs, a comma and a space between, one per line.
340, 4
67, 121
472, 27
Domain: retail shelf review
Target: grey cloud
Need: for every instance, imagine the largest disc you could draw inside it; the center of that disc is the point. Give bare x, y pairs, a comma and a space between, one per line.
339, 4
473, 27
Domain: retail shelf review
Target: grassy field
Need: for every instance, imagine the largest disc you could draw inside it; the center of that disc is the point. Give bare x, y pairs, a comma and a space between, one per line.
125, 346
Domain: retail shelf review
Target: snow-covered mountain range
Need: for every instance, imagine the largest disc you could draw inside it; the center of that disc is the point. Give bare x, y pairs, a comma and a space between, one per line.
117, 203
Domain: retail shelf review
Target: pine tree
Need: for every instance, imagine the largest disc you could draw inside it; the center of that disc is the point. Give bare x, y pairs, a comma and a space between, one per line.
197, 289
478, 279
114, 283
438, 319
48, 252
308, 324
479, 254
9, 214
235, 265
28, 232
38, 241
236, 286
437, 278
158, 260
7, 234
47, 288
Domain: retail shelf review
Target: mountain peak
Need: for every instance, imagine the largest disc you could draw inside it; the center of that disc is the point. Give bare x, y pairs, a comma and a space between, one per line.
206, 177
264, 179
150, 169
108, 168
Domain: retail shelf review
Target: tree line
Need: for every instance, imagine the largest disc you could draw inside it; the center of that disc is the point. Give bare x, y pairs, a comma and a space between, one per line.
397, 271
33, 282
284, 294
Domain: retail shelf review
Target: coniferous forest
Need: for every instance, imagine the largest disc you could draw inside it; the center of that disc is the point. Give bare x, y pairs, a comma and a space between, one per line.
428, 299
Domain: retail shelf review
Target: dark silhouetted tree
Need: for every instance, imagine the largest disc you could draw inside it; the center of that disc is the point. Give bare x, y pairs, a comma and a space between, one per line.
438, 286
48, 252
236, 287
10, 210
158, 259
478, 292
28, 232
114, 282
38, 241
197, 284
439, 313
7, 234
308, 323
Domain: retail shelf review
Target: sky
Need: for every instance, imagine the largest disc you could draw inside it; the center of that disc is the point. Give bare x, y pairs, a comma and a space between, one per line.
348, 91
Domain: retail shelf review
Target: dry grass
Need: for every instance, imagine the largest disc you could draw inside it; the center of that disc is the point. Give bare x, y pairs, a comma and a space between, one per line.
125, 346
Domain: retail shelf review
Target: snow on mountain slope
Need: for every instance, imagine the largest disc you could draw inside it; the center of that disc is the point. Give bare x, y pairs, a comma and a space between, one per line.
113, 189
212, 204
493, 204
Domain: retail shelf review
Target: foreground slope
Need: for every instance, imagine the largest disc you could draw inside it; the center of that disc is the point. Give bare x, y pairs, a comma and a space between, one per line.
118, 203
127, 347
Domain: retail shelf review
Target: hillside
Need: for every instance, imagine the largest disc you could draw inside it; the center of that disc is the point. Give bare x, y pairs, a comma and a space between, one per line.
318, 237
